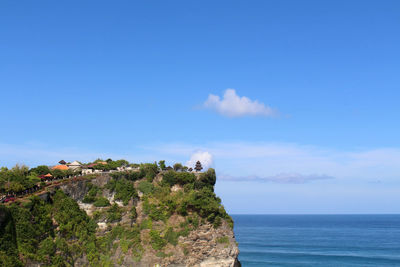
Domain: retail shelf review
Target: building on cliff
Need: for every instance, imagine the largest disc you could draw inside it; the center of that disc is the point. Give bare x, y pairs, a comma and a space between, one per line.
74, 165
60, 167
198, 166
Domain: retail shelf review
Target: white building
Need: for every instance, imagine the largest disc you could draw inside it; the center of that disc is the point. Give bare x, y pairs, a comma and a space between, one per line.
86, 171
74, 165
126, 168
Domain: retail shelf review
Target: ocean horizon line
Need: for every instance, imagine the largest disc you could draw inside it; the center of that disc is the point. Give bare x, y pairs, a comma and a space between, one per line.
308, 214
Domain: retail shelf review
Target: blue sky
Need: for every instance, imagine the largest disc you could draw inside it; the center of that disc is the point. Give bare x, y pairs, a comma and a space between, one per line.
295, 103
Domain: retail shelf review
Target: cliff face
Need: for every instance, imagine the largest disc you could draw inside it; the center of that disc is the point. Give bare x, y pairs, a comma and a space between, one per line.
202, 246
125, 219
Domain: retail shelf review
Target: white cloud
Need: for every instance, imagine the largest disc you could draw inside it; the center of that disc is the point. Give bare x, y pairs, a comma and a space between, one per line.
232, 105
204, 157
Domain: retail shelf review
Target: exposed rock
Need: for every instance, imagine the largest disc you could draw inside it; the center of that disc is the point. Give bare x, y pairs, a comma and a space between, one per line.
201, 248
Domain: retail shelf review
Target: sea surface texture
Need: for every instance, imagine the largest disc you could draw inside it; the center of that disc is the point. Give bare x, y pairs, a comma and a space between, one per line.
318, 240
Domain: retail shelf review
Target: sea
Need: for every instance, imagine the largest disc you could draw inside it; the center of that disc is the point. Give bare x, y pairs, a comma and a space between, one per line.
318, 240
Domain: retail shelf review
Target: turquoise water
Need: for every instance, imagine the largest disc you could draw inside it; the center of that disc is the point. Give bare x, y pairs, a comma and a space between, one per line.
318, 240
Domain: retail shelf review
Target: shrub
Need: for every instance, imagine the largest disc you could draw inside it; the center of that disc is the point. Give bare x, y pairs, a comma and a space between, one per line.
88, 199
101, 202
146, 187
114, 213
156, 241
169, 178
90, 196
206, 204
178, 167
183, 178
206, 179
171, 236
150, 170
223, 240
123, 189
155, 213
135, 175
146, 224
193, 220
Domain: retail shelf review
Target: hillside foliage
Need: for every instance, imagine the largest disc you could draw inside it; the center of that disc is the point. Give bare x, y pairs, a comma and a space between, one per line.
56, 232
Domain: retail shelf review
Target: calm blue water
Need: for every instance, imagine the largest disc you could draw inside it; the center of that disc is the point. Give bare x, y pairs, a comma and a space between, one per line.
318, 240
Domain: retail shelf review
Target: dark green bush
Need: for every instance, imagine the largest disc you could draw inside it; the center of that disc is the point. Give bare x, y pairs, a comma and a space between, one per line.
206, 179
169, 178
90, 197
124, 190
34, 232
101, 202
150, 170
182, 178
114, 213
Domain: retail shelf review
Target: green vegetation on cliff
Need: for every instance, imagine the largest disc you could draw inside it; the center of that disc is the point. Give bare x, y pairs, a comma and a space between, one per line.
38, 238
159, 207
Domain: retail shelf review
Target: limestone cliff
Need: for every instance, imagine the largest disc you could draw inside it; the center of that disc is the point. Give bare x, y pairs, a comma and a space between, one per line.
203, 245
139, 218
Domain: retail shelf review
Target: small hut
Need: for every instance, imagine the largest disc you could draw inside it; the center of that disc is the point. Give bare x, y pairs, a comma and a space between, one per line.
48, 177
198, 166
62, 162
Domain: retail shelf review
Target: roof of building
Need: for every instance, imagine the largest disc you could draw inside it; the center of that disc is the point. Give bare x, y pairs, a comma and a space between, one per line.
60, 167
198, 166
48, 175
75, 163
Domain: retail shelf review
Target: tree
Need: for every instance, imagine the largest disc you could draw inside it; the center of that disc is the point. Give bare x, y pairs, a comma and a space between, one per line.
58, 173
40, 170
198, 166
178, 166
161, 164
